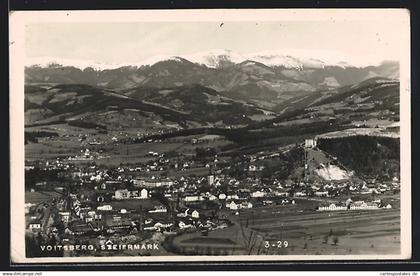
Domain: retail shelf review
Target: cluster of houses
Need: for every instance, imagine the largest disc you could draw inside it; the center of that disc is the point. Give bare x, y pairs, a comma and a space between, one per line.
82, 218
86, 154
354, 205
122, 194
104, 218
236, 206
152, 183
140, 182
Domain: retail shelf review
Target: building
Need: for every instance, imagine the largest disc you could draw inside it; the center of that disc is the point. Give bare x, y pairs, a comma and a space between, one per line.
144, 194
192, 198
258, 194
126, 194
232, 196
35, 226
184, 225
349, 205
104, 208
361, 205
282, 193
300, 194
152, 183
134, 194
246, 205
310, 143
195, 214
332, 207
122, 194
162, 225
321, 193
210, 179
119, 223
232, 205
212, 197
192, 213
79, 229
159, 209
65, 216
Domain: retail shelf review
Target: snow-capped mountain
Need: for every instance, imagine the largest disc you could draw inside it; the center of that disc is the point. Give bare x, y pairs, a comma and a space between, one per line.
271, 75
216, 58
77, 63
210, 59
297, 58
288, 58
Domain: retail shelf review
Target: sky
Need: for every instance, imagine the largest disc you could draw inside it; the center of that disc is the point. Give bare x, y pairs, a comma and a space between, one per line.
125, 42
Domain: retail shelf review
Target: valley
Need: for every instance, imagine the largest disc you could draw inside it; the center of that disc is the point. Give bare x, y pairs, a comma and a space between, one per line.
213, 155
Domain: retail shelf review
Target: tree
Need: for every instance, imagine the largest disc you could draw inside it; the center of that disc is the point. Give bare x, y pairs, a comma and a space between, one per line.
335, 240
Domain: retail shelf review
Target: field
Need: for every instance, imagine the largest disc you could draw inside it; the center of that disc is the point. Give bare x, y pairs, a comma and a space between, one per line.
357, 232
112, 154
63, 129
38, 197
264, 231
134, 204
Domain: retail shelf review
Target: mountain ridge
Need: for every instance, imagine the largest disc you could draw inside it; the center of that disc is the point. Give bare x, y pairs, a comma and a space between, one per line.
288, 58
234, 76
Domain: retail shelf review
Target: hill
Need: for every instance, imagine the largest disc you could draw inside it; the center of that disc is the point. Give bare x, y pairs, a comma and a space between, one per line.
183, 106
382, 161
263, 80
70, 102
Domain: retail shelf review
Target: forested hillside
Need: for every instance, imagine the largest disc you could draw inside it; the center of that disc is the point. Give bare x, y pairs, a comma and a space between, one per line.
367, 155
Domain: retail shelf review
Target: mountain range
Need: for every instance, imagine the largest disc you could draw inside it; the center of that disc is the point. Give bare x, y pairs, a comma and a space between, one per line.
291, 58
264, 79
218, 88
318, 69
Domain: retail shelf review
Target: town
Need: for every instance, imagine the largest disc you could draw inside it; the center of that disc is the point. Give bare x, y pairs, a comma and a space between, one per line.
73, 200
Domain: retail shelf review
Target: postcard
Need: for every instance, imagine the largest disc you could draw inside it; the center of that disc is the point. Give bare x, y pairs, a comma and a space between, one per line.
210, 135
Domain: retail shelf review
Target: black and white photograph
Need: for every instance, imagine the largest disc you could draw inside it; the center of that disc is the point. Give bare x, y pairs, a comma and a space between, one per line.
210, 135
